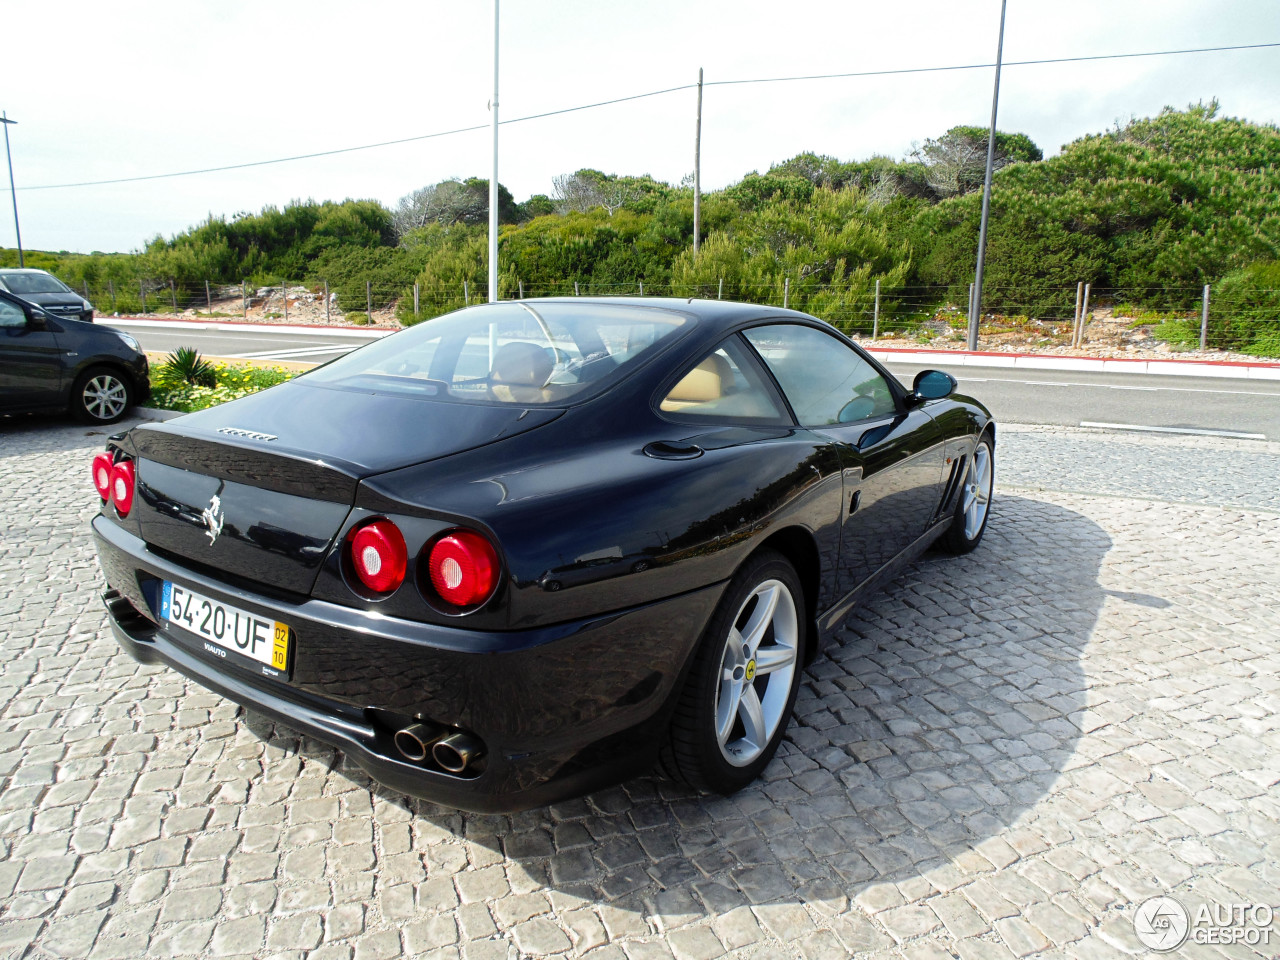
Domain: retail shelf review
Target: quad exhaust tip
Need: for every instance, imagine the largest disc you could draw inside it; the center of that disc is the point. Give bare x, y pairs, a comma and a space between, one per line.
457, 751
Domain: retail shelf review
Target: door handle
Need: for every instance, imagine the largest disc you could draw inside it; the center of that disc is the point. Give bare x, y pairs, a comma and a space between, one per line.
855, 501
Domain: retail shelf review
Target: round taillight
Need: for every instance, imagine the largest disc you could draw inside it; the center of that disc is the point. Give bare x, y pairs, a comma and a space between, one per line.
122, 486
379, 555
102, 465
463, 568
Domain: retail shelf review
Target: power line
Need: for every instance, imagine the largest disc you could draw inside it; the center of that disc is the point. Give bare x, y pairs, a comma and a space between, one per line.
981, 66
641, 96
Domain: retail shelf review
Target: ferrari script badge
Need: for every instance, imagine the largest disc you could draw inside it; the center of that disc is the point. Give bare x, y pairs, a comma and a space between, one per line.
212, 515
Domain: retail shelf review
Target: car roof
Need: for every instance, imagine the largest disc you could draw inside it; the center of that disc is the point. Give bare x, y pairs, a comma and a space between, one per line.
711, 314
23, 270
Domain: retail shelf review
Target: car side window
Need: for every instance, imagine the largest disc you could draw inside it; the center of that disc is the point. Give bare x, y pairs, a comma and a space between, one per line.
724, 385
11, 315
825, 380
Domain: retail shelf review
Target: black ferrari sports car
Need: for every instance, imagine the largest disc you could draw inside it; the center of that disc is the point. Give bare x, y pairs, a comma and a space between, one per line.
524, 550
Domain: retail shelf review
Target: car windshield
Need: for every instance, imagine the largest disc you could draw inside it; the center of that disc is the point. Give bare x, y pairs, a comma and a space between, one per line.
535, 352
21, 283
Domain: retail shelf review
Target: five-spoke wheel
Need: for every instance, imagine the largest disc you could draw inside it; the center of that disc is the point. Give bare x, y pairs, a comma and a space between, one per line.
734, 709
757, 671
974, 502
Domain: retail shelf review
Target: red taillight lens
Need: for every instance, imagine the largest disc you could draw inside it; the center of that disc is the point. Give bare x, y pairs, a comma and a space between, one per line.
464, 568
122, 486
379, 555
102, 465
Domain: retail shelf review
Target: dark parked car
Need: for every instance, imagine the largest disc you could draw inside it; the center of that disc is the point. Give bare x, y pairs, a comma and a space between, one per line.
523, 550
45, 290
51, 362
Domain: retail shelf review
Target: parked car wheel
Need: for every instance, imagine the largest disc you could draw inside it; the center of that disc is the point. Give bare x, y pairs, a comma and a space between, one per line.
740, 692
101, 395
973, 505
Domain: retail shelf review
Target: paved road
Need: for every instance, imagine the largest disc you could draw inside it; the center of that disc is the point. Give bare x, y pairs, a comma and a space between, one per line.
308, 347
1072, 398
1003, 756
1037, 397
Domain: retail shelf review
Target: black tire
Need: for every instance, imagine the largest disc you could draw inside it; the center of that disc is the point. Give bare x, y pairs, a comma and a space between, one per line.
958, 539
101, 395
693, 753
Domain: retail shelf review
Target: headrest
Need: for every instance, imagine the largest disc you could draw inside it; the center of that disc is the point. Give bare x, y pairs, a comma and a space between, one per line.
703, 383
521, 363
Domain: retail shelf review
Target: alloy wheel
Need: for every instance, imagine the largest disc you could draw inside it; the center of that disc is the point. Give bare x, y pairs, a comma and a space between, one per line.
105, 397
977, 491
757, 667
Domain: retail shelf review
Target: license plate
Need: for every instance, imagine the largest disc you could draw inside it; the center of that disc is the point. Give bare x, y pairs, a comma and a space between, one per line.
223, 628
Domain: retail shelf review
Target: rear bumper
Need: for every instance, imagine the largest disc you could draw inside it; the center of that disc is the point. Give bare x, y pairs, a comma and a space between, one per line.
560, 710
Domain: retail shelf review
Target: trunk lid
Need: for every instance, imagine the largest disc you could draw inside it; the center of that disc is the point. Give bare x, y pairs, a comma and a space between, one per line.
258, 488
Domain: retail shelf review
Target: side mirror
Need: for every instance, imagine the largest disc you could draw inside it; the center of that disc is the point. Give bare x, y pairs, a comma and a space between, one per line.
933, 385
36, 318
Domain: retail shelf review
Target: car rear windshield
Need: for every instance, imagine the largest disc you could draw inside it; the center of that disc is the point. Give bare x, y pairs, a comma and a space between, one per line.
21, 283
528, 353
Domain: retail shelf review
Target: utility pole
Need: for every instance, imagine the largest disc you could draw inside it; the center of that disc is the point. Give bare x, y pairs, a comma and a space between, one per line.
5, 122
697, 172
493, 180
975, 305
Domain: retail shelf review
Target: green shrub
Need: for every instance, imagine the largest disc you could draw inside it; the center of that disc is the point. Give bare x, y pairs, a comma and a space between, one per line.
185, 366
227, 382
1244, 310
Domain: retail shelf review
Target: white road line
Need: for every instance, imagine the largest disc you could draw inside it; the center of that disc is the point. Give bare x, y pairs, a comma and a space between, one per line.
290, 354
1116, 386
1231, 434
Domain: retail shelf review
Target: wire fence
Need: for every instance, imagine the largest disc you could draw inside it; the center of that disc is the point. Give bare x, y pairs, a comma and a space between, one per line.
1186, 316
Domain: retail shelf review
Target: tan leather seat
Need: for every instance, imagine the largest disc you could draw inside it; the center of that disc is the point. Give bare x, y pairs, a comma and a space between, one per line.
703, 384
520, 372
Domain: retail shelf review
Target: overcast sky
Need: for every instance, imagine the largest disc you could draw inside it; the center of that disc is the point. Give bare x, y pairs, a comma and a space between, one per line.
129, 89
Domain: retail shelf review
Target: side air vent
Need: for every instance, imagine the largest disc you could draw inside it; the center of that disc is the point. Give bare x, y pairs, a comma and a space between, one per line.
953, 485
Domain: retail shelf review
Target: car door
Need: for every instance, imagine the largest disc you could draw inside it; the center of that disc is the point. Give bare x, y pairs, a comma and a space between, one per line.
30, 362
892, 455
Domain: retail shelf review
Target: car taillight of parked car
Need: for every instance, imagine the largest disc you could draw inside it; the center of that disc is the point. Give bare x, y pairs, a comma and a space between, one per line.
379, 556
102, 466
122, 483
463, 566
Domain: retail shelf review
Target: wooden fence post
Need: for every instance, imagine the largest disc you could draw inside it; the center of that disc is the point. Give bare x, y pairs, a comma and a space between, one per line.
875, 319
1084, 314
1204, 320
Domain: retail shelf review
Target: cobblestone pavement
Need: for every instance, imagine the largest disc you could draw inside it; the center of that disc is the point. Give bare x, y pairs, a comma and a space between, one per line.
1004, 755
1182, 469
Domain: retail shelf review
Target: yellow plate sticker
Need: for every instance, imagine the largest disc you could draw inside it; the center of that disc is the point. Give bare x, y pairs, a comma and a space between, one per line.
280, 647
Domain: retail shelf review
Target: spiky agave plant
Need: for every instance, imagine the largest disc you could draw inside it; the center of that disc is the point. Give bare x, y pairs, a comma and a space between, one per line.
185, 365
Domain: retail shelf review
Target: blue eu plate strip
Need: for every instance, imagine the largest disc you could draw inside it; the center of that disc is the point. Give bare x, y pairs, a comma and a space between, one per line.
165, 599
